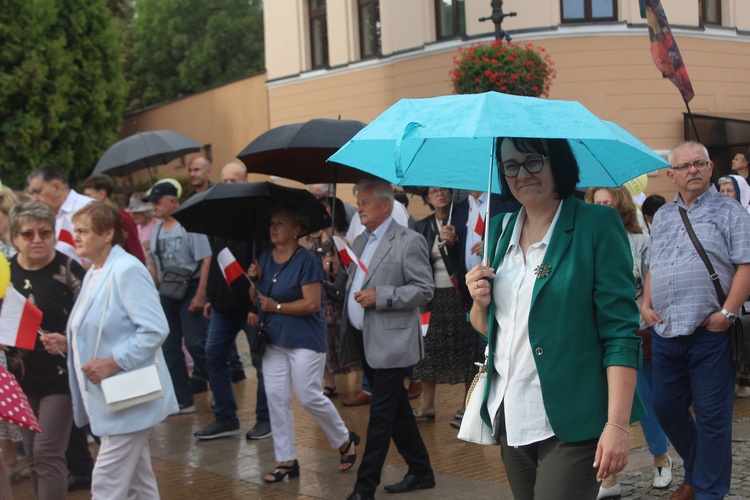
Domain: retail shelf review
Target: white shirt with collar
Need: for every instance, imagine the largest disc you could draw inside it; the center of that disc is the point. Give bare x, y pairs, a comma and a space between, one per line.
516, 380
398, 213
355, 312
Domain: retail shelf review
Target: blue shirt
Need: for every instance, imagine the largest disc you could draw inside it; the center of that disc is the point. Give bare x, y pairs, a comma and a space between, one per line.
682, 293
286, 330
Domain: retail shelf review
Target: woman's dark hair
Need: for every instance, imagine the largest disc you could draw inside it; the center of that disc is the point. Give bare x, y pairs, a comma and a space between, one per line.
339, 214
565, 171
652, 204
103, 218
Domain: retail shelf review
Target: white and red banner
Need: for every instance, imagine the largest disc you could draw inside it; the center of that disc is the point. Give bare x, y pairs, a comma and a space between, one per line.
347, 254
424, 322
476, 218
229, 266
19, 320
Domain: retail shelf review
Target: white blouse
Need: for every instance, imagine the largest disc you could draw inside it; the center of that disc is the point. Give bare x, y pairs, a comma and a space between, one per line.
74, 323
516, 380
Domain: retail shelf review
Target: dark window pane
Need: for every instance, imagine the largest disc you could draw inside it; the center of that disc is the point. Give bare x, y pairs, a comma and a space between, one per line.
712, 11
318, 33
451, 18
588, 10
369, 27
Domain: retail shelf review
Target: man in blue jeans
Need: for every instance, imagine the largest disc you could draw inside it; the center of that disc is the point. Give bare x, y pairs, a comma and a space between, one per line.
691, 355
227, 310
174, 247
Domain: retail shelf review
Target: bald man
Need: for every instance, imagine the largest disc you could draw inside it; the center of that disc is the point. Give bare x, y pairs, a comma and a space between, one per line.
227, 309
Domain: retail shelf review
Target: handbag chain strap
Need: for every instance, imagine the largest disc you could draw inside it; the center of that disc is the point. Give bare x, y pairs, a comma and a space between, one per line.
703, 256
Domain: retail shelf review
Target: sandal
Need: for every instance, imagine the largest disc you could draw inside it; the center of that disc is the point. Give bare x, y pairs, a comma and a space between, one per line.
282, 471
424, 416
347, 461
330, 392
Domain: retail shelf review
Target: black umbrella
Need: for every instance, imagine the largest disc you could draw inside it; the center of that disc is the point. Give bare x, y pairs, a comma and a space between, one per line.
242, 211
144, 150
299, 151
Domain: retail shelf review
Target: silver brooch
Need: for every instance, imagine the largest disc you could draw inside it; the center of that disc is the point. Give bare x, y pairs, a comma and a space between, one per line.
542, 271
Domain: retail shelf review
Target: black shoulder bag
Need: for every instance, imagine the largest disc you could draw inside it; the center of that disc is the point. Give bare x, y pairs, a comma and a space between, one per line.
175, 280
739, 332
258, 344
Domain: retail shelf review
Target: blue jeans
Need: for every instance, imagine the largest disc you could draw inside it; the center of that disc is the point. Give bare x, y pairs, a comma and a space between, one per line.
191, 327
222, 333
697, 369
655, 438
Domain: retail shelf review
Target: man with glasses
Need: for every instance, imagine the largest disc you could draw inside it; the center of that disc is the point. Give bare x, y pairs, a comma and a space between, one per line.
691, 352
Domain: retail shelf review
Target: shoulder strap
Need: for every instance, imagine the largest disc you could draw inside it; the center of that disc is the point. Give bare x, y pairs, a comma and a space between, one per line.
703, 256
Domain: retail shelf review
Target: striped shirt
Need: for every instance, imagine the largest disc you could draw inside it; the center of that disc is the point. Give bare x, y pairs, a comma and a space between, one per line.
682, 293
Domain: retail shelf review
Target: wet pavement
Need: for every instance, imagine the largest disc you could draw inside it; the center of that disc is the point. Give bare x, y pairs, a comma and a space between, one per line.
233, 467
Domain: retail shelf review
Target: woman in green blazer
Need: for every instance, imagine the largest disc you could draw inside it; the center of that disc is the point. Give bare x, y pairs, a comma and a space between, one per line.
557, 306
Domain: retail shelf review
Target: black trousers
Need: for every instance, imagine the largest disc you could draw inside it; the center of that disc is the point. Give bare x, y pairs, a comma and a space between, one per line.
391, 416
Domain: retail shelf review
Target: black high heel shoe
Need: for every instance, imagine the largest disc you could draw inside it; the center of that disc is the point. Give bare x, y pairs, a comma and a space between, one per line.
349, 459
282, 471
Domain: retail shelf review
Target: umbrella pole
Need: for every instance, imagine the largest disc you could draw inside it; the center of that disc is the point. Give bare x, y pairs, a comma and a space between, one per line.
486, 245
333, 214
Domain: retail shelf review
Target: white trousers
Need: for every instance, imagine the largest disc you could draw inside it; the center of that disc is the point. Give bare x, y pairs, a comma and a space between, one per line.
301, 369
123, 468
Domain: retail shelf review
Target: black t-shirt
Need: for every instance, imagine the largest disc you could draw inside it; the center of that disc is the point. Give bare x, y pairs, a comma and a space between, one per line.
53, 290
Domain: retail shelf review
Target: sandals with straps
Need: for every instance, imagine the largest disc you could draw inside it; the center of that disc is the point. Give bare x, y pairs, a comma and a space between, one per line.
347, 461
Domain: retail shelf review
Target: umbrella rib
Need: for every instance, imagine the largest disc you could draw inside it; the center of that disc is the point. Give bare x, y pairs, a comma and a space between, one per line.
598, 161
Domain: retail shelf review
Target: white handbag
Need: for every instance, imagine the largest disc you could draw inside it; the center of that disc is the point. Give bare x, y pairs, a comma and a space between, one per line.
473, 429
132, 387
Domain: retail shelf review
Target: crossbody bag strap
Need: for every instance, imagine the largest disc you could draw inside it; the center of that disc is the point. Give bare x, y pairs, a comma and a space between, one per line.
156, 250
703, 256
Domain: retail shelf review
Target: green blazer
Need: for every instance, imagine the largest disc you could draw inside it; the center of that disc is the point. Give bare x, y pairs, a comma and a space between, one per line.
583, 317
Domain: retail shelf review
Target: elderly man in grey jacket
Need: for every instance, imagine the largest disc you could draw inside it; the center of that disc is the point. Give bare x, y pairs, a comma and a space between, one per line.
381, 327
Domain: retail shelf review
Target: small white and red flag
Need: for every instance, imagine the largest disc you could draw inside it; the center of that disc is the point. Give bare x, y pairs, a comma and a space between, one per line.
229, 266
347, 254
19, 320
476, 218
65, 242
424, 322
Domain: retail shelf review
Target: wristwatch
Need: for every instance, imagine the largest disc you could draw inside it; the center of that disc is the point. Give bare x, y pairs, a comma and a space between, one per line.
730, 317
278, 307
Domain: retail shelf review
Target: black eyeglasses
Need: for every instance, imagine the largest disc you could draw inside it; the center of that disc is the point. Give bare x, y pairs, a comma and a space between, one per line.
532, 164
29, 235
699, 164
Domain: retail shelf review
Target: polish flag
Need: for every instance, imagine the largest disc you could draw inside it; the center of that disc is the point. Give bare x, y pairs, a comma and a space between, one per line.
424, 322
347, 254
476, 218
229, 266
65, 242
19, 321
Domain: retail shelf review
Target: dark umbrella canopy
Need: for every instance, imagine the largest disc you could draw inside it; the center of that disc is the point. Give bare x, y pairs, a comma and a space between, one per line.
144, 150
242, 211
299, 151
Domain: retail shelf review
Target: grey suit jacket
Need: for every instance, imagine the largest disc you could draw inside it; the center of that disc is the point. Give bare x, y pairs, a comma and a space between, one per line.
401, 274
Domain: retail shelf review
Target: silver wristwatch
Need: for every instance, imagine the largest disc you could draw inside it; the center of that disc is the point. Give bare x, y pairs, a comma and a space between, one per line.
730, 317
278, 306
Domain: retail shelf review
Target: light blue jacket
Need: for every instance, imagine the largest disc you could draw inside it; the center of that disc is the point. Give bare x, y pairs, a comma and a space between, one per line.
134, 330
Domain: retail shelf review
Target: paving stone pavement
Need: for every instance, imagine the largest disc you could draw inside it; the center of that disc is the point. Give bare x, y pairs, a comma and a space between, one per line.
233, 468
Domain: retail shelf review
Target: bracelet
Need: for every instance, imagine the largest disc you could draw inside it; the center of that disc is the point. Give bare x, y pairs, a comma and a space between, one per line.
616, 425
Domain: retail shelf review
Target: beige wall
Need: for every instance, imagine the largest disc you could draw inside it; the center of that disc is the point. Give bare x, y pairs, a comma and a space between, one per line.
227, 118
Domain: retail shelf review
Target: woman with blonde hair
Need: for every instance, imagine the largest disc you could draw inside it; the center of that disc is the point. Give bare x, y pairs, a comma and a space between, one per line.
657, 441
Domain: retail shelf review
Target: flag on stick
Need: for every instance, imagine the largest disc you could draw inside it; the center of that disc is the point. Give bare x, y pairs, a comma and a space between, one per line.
347, 254
664, 49
424, 322
229, 266
19, 320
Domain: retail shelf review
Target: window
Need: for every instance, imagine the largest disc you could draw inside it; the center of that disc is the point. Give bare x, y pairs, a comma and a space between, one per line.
318, 34
710, 12
576, 11
369, 28
451, 18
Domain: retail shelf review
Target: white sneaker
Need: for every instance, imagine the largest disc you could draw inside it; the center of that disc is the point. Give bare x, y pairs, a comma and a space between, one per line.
743, 392
613, 492
663, 475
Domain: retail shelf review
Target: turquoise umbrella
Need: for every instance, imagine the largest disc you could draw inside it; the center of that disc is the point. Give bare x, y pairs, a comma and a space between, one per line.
448, 141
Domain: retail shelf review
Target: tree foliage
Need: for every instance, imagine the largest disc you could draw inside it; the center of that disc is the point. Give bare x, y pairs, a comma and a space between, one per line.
183, 46
62, 90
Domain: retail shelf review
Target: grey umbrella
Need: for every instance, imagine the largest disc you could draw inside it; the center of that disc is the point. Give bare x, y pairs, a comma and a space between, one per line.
144, 150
